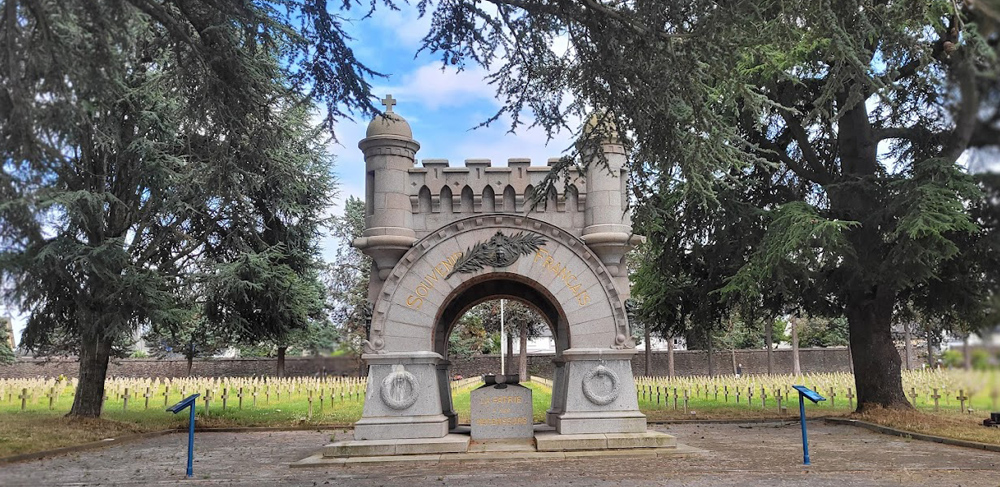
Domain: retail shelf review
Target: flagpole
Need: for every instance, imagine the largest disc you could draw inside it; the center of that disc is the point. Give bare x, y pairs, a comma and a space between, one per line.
503, 343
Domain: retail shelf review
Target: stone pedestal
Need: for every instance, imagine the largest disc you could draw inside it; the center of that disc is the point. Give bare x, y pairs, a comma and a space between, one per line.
597, 393
403, 400
501, 411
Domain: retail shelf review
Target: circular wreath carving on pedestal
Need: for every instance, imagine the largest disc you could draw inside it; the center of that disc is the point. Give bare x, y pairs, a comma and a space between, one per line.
588, 386
399, 388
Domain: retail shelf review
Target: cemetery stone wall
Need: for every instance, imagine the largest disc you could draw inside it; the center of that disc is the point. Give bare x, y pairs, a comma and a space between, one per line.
223, 367
686, 362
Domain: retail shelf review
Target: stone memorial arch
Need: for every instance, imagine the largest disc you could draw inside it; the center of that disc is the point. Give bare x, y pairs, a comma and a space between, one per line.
444, 239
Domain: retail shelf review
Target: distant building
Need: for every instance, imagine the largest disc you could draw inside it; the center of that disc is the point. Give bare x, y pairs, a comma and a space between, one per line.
545, 343
985, 338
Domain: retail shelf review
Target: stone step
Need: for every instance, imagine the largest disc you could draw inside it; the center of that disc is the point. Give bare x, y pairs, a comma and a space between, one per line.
603, 441
519, 444
502, 456
418, 446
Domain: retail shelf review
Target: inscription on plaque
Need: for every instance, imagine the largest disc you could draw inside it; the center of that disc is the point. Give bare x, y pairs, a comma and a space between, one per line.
501, 411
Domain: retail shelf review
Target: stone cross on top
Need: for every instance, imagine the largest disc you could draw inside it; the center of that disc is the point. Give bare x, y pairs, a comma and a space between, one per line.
388, 101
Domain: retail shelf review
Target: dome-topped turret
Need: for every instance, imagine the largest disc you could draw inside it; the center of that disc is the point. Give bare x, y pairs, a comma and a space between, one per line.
389, 123
604, 125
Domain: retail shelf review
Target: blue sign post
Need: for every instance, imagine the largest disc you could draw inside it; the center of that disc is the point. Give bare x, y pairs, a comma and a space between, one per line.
188, 402
806, 393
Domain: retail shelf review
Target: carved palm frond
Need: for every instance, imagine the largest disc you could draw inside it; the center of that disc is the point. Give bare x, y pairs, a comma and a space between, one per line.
498, 251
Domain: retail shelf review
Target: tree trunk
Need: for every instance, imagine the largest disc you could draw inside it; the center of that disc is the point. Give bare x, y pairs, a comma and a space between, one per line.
908, 346
769, 340
281, 361
89, 398
966, 355
868, 303
796, 366
670, 358
522, 361
732, 353
877, 363
711, 358
649, 348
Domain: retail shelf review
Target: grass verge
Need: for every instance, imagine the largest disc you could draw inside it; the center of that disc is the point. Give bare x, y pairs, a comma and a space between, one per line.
959, 426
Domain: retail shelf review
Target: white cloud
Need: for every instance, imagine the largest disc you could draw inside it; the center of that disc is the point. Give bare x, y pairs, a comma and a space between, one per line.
434, 88
406, 24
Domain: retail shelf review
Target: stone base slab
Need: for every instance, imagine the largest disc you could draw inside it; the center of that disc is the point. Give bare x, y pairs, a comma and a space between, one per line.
418, 446
319, 460
543, 441
594, 422
604, 441
526, 444
401, 427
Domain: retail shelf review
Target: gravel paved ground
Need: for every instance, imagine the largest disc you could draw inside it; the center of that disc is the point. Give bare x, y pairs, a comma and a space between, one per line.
757, 454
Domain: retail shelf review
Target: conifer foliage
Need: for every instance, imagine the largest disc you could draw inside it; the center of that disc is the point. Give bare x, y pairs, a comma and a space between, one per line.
786, 154
158, 160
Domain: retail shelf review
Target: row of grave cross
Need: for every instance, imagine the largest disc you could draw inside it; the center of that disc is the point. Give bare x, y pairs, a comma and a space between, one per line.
662, 394
30, 395
352, 390
353, 394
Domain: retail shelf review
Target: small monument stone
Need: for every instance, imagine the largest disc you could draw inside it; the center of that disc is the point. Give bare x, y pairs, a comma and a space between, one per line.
501, 411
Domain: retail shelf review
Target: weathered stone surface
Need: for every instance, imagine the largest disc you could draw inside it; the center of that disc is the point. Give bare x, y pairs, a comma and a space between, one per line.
403, 399
563, 442
360, 448
515, 444
425, 446
647, 439
590, 423
403, 427
419, 446
501, 411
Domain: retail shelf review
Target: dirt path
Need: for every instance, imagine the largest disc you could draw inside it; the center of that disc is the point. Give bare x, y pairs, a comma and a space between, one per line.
738, 455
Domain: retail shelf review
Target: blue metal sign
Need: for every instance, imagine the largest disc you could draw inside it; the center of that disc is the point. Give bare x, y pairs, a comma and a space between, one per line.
806, 393
809, 393
187, 402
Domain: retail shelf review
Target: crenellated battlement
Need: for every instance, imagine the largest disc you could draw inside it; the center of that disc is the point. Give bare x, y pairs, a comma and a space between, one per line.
440, 193
407, 199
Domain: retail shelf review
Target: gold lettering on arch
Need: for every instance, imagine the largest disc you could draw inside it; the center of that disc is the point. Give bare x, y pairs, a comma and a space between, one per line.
416, 299
563, 273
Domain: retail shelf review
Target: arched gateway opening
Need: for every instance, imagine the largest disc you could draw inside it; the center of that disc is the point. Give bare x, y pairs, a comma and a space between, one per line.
432, 263
500, 285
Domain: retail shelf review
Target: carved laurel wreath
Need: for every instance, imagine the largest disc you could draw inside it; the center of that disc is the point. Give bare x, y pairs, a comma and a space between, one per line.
399, 389
498, 251
588, 386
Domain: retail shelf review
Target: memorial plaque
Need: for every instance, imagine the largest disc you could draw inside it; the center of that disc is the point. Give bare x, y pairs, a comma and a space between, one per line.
501, 411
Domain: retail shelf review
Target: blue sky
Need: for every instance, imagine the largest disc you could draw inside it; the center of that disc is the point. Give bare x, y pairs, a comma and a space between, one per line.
442, 108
